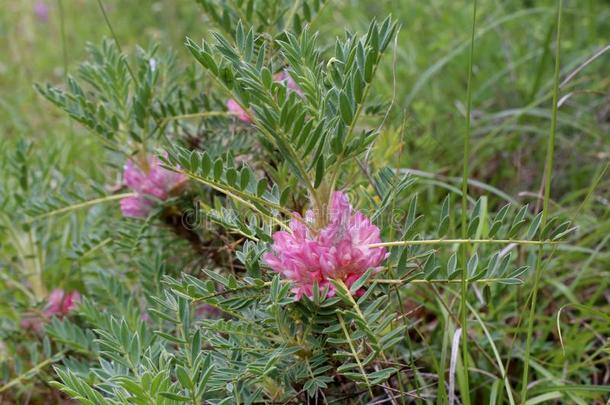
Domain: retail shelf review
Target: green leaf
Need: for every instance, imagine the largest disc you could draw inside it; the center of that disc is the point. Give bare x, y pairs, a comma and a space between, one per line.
346, 108
319, 171
218, 166
472, 227
285, 195
205, 164
261, 187
169, 337
358, 284
231, 176
244, 178
369, 67
175, 397
266, 77
472, 264
533, 229
380, 376
184, 378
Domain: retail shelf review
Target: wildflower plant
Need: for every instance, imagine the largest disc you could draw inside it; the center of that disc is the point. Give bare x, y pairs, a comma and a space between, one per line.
247, 248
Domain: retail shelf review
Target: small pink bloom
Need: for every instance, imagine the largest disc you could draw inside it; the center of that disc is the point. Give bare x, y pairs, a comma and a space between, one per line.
136, 206
235, 108
284, 77
207, 311
41, 9
60, 303
154, 182
339, 251
31, 322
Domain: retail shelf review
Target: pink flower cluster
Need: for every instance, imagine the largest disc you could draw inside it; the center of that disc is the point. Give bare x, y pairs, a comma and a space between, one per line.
153, 181
59, 304
246, 116
339, 251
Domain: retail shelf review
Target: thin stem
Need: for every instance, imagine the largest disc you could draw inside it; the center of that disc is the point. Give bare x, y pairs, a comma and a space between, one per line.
33, 371
435, 281
81, 205
352, 126
466, 169
355, 354
116, 40
197, 115
7, 279
62, 27
461, 241
547, 192
241, 197
291, 13
96, 248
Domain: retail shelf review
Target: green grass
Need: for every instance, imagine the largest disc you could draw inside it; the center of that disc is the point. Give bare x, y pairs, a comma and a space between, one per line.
548, 176
516, 131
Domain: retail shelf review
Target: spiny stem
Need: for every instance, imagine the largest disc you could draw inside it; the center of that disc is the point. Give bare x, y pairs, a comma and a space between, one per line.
461, 241
464, 285
547, 192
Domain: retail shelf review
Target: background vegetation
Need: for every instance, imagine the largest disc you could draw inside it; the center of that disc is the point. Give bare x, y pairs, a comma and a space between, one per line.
422, 85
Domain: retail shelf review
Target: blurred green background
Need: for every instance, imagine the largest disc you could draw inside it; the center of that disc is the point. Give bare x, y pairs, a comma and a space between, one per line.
425, 78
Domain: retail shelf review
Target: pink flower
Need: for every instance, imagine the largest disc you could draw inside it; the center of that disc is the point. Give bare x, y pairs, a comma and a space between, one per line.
284, 77
235, 108
339, 251
154, 182
41, 9
136, 206
207, 311
60, 303
31, 322
246, 116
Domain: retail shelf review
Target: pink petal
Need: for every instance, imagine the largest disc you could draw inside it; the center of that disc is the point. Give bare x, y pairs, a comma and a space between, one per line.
338, 251
236, 109
136, 207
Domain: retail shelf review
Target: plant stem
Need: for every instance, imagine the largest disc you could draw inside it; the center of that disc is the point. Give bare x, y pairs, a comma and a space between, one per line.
33, 371
355, 354
116, 40
64, 48
82, 205
547, 192
243, 198
465, 173
461, 241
